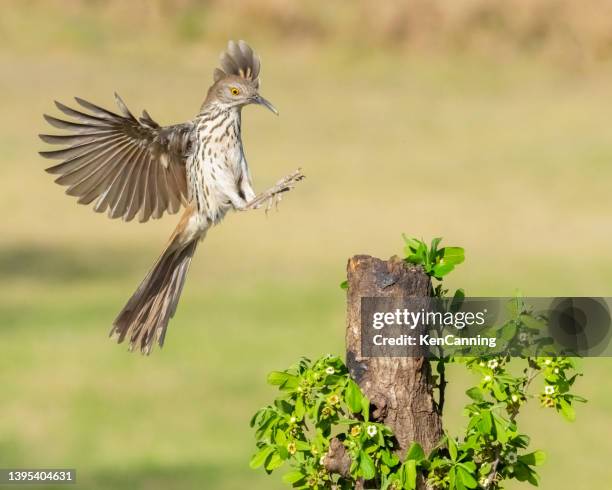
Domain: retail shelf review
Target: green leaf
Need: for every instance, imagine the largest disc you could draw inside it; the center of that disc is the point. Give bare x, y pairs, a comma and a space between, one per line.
283, 380
532, 477
344, 285
486, 422
368, 471
416, 251
498, 392
507, 332
411, 243
567, 410
469, 466
365, 408
514, 307
276, 378
466, 477
452, 255
389, 458
273, 462
299, 409
440, 270
457, 301
459, 482
532, 322
475, 393
415, 452
258, 458
451, 478
433, 249
411, 474
535, 458
280, 437
302, 446
452, 448
500, 429
284, 406
282, 451
353, 396
293, 477
521, 471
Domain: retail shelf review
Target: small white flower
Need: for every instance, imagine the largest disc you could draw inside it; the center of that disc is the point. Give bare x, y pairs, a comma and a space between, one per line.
372, 430
322, 460
493, 364
515, 398
556, 370
330, 370
511, 457
547, 362
549, 390
487, 378
293, 420
523, 337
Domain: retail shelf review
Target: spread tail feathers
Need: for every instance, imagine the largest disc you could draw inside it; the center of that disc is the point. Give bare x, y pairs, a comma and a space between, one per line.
145, 317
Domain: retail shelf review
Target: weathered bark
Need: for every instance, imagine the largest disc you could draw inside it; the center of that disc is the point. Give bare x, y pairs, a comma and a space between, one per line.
337, 459
399, 388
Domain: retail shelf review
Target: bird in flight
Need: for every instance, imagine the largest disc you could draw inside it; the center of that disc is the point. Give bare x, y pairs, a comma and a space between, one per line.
133, 167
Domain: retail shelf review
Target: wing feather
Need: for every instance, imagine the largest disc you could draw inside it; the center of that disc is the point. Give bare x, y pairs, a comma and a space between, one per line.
135, 200
80, 166
121, 206
104, 184
127, 165
83, 181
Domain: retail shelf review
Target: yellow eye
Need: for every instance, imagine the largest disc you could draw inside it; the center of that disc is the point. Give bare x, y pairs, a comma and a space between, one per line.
235, 91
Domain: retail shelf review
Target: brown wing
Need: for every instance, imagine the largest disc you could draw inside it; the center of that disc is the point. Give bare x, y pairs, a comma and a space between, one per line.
126, 165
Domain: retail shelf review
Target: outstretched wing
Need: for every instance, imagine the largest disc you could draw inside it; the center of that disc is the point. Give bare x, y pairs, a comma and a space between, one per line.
126, 165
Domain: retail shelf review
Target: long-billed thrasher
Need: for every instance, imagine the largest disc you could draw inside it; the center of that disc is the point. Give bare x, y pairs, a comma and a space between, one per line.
132, 166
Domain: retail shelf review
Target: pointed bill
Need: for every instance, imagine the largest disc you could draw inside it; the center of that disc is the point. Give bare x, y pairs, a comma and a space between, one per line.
258, 99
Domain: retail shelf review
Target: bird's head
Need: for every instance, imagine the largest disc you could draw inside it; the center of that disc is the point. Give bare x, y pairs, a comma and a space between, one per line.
237, 80
235, 91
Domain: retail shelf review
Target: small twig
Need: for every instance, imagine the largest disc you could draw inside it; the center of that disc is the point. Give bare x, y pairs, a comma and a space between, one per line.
442, 380
442, 386
493, 473
532, 374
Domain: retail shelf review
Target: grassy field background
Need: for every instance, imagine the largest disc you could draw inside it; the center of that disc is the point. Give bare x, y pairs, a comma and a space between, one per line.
506, 153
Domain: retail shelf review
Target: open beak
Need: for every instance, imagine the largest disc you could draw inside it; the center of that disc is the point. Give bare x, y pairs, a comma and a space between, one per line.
258, 99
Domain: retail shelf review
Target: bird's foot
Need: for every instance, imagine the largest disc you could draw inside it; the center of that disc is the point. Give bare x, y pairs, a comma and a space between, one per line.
274, 195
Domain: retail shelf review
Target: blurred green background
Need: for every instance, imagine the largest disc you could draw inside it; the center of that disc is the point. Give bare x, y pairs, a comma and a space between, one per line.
485, 122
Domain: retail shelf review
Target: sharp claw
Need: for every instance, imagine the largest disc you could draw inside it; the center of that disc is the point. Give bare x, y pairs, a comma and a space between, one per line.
274, 195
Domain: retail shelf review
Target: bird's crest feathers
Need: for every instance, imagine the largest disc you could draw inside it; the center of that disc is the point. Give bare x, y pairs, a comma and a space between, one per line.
238, 60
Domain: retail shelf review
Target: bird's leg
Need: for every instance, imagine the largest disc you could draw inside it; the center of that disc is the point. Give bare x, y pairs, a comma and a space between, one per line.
273, 195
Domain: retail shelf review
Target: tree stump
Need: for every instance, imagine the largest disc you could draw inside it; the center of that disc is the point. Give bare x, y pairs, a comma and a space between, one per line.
399, 388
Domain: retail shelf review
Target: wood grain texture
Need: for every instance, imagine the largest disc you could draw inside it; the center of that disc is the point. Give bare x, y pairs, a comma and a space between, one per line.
399, 388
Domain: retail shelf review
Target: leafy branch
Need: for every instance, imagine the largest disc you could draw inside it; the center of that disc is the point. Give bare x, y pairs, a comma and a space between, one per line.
319, 424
